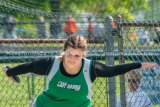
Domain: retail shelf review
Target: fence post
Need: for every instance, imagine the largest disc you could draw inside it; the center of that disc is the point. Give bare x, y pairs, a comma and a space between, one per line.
121, 60
33, 90
109, 60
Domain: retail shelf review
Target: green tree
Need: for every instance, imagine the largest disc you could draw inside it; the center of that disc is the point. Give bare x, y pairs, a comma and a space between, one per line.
105, 7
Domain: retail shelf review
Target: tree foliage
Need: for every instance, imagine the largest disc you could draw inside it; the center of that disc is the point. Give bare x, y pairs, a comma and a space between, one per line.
104, 7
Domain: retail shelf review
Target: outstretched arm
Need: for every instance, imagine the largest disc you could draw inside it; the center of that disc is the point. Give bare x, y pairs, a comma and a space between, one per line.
109, 71
40, 67
102, 70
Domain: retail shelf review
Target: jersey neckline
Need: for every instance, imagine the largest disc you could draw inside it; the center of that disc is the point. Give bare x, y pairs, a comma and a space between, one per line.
64, 72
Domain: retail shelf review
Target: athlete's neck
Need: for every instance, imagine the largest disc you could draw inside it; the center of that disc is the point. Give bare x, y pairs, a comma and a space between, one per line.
73, 70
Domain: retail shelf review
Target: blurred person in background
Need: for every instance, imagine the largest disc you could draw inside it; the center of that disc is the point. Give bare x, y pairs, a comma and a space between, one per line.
157, 39
41, 28
111, 26
70, 27
55, 27
135, 97
133, 36
9, 25
90, 27
144, 38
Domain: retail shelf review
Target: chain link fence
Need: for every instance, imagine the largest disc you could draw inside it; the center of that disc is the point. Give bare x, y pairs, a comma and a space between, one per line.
114, 40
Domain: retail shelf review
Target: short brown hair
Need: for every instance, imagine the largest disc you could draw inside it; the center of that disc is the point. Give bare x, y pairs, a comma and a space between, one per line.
76, 41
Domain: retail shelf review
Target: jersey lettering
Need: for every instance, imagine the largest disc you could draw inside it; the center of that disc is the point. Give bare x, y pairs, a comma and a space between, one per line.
66, 85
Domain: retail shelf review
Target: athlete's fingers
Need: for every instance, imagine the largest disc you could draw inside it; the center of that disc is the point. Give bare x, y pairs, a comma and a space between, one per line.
14, 78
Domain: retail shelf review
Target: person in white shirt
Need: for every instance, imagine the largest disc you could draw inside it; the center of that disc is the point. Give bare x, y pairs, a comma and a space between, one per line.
135, 97
144, 39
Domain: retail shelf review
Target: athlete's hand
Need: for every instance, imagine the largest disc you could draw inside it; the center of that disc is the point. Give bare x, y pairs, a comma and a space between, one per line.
13, 78
148, 65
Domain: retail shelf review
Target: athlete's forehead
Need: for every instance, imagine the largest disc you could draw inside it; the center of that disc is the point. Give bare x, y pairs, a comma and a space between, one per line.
74, 51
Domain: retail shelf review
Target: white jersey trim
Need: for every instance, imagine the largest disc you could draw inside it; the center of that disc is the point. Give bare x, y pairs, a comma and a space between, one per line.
53, 70
86, 72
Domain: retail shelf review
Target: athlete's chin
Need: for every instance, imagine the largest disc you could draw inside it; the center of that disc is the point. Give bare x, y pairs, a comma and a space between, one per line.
72, 65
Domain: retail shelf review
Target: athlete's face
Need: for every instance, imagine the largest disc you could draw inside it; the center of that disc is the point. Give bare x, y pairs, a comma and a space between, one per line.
73, 57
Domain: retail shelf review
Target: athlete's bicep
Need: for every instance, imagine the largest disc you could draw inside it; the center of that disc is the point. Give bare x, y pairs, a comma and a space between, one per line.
103, 70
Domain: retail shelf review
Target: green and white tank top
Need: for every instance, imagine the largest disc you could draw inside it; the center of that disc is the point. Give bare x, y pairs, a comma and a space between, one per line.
63, 91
